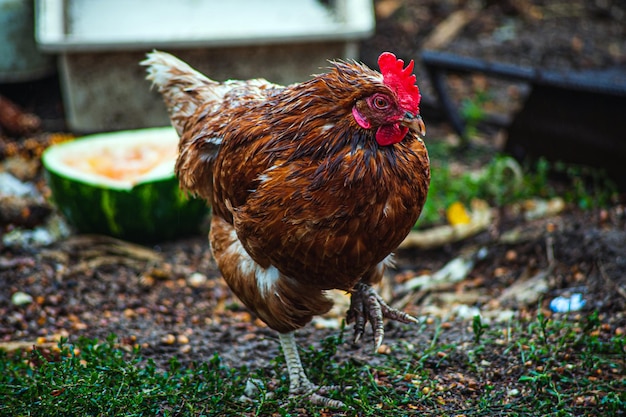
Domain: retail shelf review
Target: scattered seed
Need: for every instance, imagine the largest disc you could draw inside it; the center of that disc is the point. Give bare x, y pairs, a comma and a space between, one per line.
500, 271
129, 313
384, 349
79, 326
248, 336
54, 299
510, 255
169, 339
197, 279
146, 280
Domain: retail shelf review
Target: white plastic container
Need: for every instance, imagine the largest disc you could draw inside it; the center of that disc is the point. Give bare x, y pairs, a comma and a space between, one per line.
100, 43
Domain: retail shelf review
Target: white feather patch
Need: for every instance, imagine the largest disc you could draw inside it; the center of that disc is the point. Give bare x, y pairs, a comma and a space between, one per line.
265, 277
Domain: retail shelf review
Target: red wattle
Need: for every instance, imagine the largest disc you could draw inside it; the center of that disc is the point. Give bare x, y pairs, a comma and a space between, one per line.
389, 134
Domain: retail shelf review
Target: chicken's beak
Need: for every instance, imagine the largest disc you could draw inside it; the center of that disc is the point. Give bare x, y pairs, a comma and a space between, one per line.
415, 123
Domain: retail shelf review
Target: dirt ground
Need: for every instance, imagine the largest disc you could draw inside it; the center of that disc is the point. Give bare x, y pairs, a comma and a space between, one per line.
170, 299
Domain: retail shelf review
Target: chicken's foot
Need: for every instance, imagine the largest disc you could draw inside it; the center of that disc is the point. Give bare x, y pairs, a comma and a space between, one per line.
299, 384
366, 305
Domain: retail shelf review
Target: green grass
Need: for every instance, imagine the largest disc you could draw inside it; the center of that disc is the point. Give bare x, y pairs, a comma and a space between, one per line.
91, 378
541, 366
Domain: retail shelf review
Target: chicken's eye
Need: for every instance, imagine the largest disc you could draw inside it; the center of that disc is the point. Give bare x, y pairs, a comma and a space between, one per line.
380, 103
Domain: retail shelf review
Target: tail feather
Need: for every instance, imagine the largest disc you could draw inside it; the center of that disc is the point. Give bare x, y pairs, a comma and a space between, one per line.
187, 94
183, 88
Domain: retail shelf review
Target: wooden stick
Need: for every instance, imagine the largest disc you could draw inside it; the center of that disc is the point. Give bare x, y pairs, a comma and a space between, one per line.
446, 31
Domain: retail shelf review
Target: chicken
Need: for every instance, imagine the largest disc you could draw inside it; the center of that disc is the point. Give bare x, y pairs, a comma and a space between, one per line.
312, 186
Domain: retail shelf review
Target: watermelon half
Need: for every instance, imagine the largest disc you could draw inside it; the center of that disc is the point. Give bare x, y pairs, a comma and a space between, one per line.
122, 184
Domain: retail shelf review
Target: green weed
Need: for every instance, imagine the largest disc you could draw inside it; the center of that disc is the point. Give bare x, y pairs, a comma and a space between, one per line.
503, 181
472, 112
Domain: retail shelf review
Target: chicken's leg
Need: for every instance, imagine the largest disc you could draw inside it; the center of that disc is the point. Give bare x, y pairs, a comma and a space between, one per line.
366, 305
299, 384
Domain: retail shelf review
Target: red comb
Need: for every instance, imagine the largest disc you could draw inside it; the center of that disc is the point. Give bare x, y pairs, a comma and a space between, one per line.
401, 80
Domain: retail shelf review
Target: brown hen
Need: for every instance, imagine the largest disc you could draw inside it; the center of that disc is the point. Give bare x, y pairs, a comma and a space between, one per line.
312, 186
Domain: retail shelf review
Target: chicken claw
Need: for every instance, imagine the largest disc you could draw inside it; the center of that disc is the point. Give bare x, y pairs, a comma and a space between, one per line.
366, 305
299, 384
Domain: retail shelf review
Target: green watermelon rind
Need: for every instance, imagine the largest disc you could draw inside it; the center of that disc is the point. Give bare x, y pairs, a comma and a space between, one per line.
150, 211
